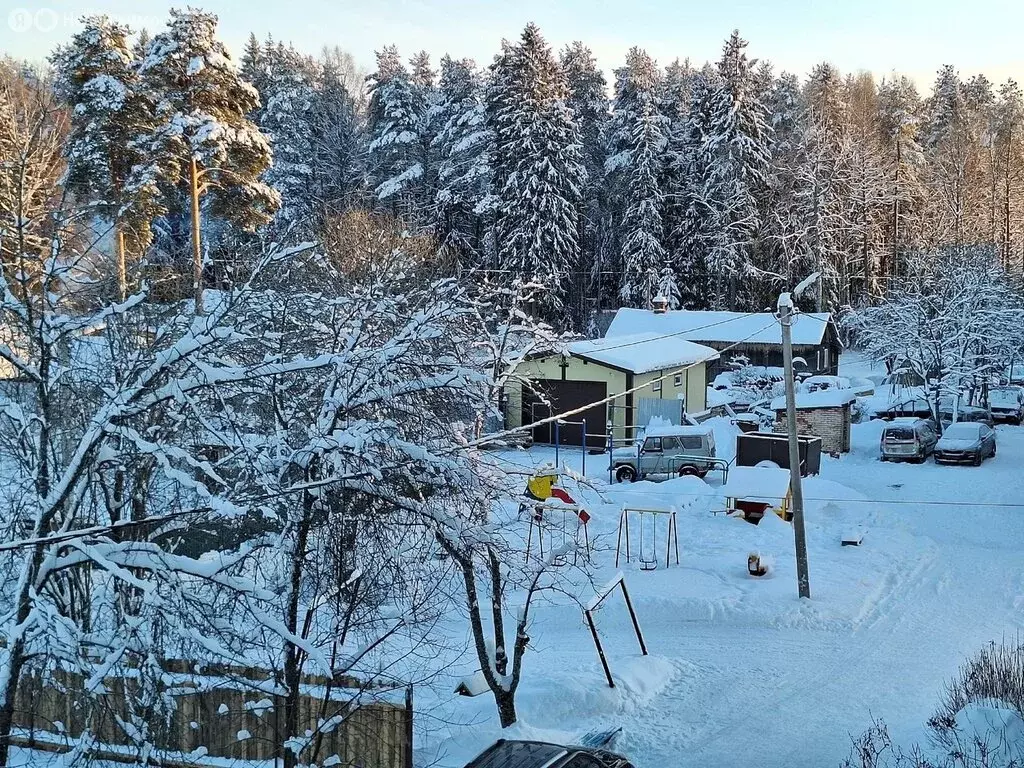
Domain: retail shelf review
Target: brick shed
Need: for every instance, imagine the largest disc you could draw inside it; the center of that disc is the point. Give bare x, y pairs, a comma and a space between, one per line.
826, 414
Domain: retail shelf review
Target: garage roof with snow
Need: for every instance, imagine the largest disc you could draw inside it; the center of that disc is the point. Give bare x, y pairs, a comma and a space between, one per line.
642, 352
719, 327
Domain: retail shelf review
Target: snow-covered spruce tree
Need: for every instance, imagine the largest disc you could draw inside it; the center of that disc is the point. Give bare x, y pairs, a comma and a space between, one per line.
397, 164
738, 146
692, 195
637, 144
202, 146
96, 78
588, 100
461, 146
538, 171
286, 122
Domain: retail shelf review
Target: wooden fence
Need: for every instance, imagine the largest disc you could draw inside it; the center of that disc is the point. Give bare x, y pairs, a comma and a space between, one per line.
225, 712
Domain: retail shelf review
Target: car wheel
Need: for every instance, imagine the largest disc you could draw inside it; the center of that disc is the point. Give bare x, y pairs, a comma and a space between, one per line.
625, 474
689, 471
993, 454
977, 459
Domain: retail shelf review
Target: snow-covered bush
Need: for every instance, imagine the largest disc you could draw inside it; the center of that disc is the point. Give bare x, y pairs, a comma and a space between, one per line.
979, 723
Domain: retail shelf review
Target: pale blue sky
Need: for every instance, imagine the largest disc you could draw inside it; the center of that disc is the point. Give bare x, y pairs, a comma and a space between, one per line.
910, 36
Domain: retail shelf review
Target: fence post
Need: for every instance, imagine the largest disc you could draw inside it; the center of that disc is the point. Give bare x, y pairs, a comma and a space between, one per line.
408, 727
558, 437
611, 448
584, 447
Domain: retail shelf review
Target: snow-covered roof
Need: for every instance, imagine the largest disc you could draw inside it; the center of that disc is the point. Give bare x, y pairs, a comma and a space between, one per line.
823, 398
767, 483
672, 430
642, 352
719, 327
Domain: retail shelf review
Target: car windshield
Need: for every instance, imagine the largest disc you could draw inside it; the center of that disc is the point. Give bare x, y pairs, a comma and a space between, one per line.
1005, 396
899, 433
962, 431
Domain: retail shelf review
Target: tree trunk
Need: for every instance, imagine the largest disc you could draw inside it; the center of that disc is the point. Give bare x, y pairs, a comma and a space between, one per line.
197, 253
293, 658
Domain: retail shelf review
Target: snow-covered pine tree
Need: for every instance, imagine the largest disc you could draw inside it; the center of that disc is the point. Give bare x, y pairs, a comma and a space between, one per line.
865, 192
637, 138
422, 74
588, 100
396, 162
338, 143
1009, 148
461, 146
96, 78
823, 178
739, 146
946, 142
899, 124
784, 250
539, 175
202, 138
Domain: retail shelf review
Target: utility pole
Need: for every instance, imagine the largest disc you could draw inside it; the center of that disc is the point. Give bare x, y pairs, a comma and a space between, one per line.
197, 254
785, 307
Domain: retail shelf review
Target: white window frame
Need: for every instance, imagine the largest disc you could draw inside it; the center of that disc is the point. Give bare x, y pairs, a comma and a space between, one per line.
656, 386
679, 380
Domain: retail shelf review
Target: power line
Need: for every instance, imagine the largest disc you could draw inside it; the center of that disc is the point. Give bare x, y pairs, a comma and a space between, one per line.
604, 401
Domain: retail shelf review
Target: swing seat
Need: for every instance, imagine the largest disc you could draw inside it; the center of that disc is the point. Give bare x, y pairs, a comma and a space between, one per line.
648, 565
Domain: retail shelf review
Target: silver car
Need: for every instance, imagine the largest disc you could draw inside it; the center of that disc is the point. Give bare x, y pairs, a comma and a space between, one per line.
908, 439
667, 451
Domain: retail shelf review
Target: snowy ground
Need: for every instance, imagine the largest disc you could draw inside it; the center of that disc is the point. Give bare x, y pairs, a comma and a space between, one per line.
741, 669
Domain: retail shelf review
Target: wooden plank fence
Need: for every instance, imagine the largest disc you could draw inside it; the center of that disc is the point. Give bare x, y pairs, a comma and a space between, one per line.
222, 712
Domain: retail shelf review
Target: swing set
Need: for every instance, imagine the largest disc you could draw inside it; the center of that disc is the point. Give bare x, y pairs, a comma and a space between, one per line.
545, 502
648, 524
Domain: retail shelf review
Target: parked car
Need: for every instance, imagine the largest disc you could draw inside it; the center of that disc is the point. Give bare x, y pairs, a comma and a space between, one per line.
667, 451
1007, 404
538, 754
969, 413
966, 443
908, 439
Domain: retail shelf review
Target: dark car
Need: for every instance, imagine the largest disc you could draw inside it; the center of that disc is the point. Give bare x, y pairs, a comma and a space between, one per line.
539, 754
971, 413
965, 442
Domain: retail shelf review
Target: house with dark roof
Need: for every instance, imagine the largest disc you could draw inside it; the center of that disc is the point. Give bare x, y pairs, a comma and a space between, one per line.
756, 336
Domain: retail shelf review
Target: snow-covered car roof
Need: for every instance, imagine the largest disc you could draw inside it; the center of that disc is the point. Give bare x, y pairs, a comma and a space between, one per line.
676, 431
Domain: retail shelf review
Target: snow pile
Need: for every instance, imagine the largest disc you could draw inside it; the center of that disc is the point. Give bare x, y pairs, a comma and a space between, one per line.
993, 729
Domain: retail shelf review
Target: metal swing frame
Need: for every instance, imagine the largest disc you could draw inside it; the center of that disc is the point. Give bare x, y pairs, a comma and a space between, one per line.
671, 539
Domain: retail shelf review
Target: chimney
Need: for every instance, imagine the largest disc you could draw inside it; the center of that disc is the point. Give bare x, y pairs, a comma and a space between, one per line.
659, 304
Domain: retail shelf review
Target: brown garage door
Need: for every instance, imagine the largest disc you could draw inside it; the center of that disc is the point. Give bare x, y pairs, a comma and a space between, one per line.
568, 396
